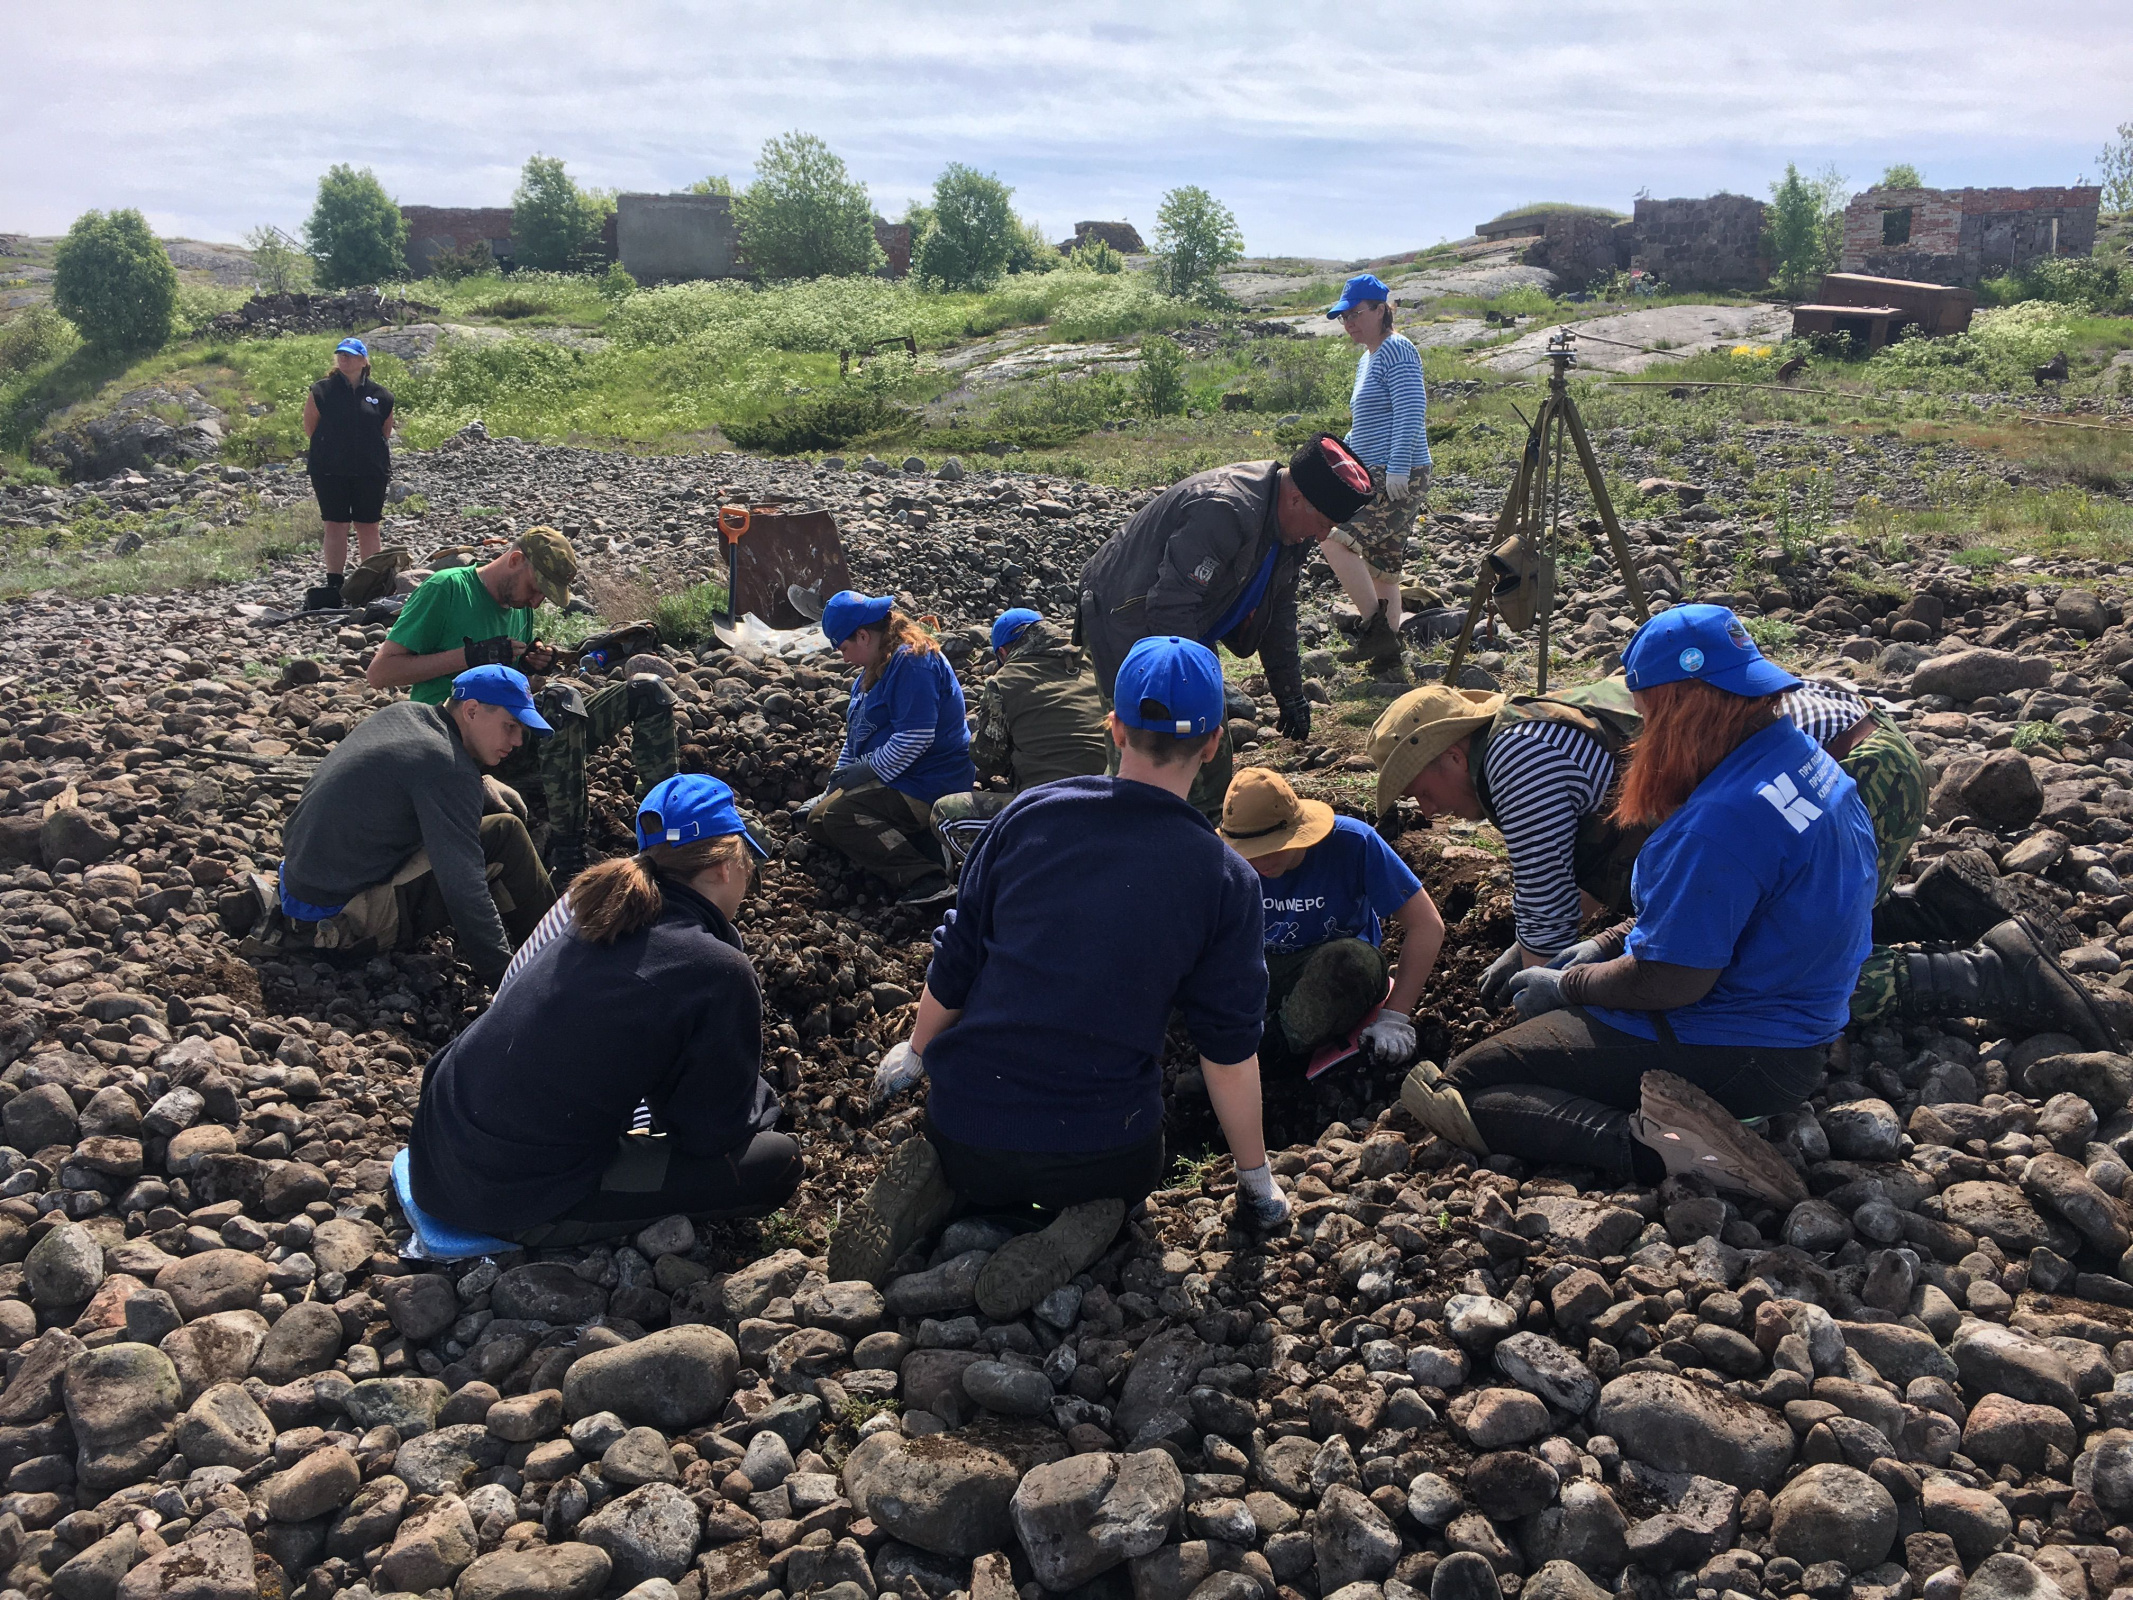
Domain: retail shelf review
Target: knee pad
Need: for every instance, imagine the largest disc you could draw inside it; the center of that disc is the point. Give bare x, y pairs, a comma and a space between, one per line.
562, 700
648, 693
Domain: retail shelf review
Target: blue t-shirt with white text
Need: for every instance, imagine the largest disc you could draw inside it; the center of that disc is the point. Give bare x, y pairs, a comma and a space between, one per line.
1768, 872
1344, 885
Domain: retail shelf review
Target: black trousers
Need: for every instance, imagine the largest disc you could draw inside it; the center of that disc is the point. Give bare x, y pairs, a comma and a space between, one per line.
1560, 1089
1000, 1180
648, 1180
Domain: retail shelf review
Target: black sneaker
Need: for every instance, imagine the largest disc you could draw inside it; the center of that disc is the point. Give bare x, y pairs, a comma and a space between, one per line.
324, 597
932, 890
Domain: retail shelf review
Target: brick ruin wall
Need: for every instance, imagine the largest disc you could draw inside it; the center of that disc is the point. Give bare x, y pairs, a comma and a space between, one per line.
433, 230
1962, 236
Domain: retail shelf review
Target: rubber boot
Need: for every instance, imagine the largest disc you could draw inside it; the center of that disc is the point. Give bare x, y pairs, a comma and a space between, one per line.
1031, 1265
1377, 646
1958, 899
908, 1199
2009, 977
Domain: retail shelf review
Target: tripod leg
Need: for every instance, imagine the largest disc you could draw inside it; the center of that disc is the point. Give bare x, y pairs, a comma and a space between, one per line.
1482, 586
1508, 521
1607, 509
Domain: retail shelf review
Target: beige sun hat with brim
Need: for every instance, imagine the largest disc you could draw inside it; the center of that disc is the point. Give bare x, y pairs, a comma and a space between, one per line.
1262, 814
1419, 727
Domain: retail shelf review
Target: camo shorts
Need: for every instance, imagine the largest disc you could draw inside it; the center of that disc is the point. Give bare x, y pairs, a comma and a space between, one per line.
1378, 532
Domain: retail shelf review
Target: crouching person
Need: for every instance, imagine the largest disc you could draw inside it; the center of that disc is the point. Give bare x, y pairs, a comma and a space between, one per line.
1090, 909
389, 843
634, 992
1328, 884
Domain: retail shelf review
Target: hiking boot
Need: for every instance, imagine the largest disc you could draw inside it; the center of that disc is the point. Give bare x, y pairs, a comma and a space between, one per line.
1691, 1132
932, 890
1377, 646
1440, 1108
1031, 1265
1959, 898
907, 1200
250, 901
566, 858
324, 597
2010, 977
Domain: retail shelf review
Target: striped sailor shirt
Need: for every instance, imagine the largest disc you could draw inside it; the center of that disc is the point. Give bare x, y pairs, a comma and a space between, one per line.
1391, 408
1542, 777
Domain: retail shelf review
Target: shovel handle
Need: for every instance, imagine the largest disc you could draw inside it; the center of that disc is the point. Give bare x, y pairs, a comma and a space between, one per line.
734, 521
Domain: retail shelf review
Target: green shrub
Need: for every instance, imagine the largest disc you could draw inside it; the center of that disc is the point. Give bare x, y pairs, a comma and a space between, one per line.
33, 337
555, 225
278, 266
1160, 382
826, 424
972, 232
1301, 374
1095, 255
114, 281
1771, 633
805, 216
685, 618
1197, 237
1901, 175
717, 183
1030, 251
199, 304
2088, 283
355, 232
474, 259
2114, 170
2029, 735
616, 283
1803, 230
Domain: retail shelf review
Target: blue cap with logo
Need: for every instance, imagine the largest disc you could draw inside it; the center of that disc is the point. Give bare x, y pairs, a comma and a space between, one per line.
352, 347
498, 685
1359, 290
1008, 626
689, 807
1706, 643
848, 611
1169, 685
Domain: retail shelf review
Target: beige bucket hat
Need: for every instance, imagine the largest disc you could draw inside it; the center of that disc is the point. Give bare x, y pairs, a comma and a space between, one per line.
1262, 814
1419, 727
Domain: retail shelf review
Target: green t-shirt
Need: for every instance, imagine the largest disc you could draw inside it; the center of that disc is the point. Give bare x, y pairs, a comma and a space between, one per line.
446, 610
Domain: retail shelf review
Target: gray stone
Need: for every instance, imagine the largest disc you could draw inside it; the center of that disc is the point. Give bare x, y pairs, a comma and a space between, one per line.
1355, 1541
648, 1533
430, 1549
304, 1339
220, 1348
1970, 674
1997, 1360
1015, 1391
639, 1457
214, 1280
570, 1571
1678, 1425
2104, 1078
1507, 1485
1834, 1513
853, 1310
1584, 1527
1863, 1130
65, 1266
947, 1493
225, 1428
442, 1460
320, 1481
768, 1460
747, 1291
1161, 1375
1537, 1363
1561, 1580
96, 1572
2010, 1577
672, 1380
1900, 1354
209, 1566
39, 1117
1432, 1501
1702, 1517
1436, 1366
1083, 1516
546, 1291
1493, 1419
1977, 1522
123, 1403
407, 1405
2004, 1432
943, 1290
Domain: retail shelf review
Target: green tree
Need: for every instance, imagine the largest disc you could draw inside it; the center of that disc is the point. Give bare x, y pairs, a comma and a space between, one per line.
717, 183
973, 230
1160, 379
2114, 169
1031, 251
114, 281
555, 225
805, 216
1901, 176
1803, 229
1196, 237
355, 232
279, 266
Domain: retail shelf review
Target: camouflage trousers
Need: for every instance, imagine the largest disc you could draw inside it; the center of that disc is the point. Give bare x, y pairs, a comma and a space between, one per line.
1893, 787
879, 830
1210, 785
960, 821
1378, 533
558, 761
1315, 996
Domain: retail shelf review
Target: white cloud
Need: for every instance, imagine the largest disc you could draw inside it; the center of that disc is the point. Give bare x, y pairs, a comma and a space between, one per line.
1337, 130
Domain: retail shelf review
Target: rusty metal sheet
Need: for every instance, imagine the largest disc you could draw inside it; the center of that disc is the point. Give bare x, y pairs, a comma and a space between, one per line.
784, 549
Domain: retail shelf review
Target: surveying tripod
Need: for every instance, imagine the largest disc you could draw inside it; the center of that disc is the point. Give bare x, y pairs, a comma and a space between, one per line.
1533, 512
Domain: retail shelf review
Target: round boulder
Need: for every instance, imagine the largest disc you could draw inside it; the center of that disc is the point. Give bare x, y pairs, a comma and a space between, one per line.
1834, 1513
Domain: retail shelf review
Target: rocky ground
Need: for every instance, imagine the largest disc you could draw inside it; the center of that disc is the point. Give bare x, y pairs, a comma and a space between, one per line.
224, 1380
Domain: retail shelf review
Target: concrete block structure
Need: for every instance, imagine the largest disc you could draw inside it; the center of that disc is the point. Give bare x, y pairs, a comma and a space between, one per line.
1712, 243
1961, 237
669, 238
433, 231
1873, 311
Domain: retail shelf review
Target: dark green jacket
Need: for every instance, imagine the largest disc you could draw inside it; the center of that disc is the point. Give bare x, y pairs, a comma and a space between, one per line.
1039, 716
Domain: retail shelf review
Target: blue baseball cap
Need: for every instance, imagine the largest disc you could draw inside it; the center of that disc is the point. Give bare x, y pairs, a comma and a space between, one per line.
1359, 290
1706, 643
1009, 624
848, 611
497, 685
1182, 679
352, 347
689, 807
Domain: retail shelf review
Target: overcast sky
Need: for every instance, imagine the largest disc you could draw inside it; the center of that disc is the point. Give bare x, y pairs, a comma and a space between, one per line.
1344, 130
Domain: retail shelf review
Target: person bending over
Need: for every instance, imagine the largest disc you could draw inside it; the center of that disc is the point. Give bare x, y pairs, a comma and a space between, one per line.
1326, 882
635, 991
1090, 909
1754, 895
906, 743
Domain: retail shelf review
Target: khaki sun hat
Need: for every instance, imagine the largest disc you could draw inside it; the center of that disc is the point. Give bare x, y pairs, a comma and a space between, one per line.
554, 563
1419, 727
1262, 814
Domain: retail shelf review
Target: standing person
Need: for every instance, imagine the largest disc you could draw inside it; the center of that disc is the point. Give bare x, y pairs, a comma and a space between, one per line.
1328, 884
465, 616
906, 743
635, 991
1754, 896
1091, 909
1215, 559
348, 420
1390, 436
1040, 717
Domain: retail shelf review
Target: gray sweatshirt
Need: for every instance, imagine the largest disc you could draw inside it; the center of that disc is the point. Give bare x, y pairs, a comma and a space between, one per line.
400, 782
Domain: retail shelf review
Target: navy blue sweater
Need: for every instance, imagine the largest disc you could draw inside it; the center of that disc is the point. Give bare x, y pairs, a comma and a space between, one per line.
1090, 908
520, 1114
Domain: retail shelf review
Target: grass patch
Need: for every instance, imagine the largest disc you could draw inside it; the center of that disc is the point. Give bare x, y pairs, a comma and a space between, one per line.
685, 618
184, 561
2033, 735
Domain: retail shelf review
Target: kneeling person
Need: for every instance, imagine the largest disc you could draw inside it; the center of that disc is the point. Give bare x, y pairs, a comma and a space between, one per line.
389, 843
636, 991
1090, 909
1328, 882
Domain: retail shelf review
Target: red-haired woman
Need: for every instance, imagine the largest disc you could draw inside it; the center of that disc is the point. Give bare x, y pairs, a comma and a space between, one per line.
1754, 898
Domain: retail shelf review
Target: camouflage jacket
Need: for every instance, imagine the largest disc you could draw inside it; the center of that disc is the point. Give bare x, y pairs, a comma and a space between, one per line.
1039, 716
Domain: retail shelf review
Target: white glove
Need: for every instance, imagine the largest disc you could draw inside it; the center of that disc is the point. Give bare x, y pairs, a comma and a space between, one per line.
899, 1070
1584, 952
1396, 487
1389, 1040
1536, 991
1259, 1202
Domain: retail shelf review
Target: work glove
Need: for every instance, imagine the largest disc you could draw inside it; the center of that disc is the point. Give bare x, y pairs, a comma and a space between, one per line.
1494, 981
850, 776
1389, 1039
899, 1070
1259, 1202
1580, 954
536, 658
1537, 991
1396, 489
500, 651
1293, 720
